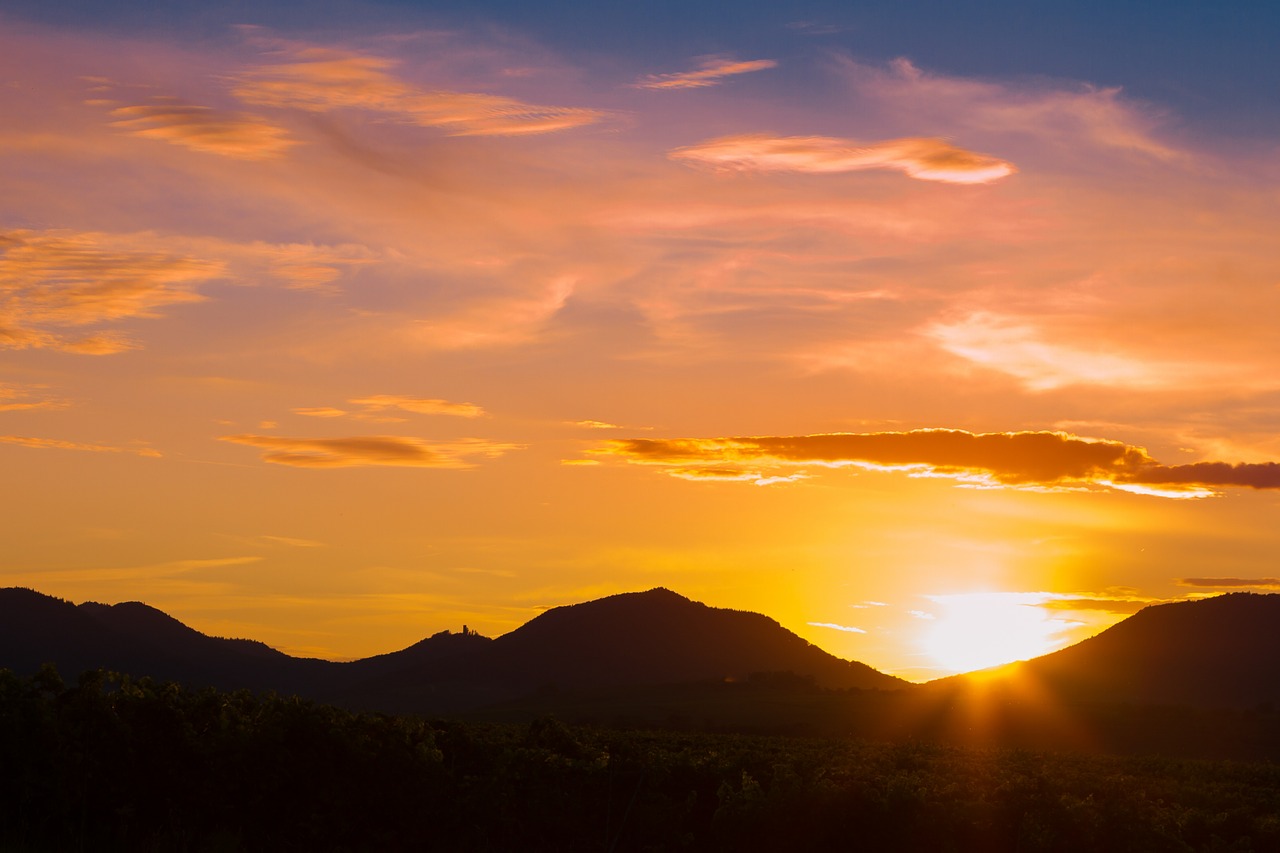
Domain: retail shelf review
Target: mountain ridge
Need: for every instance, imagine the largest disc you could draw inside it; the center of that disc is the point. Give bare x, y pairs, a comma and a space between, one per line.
635, 639
1219, 652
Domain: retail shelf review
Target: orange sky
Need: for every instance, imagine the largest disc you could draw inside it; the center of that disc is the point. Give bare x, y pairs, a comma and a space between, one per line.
338, 339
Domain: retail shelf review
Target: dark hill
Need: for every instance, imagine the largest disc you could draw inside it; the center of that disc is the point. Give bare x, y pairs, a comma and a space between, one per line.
633, 639
630, 640
1215, 652
140, 640
660, 637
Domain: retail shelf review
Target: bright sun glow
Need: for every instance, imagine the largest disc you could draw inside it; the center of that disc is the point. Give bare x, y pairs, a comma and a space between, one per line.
977, 630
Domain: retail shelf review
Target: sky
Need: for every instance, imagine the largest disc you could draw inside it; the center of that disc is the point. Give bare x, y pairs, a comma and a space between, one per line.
942, 333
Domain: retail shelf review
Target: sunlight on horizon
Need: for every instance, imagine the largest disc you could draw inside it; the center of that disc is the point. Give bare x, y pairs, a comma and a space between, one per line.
984, 629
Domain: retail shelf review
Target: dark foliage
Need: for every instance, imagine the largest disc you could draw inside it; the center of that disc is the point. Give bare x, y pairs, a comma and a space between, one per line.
116, 764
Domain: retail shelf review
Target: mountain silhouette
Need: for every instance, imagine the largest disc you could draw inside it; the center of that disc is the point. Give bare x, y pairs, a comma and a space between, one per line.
1220, 652
634, 639
1213, 652
134, 638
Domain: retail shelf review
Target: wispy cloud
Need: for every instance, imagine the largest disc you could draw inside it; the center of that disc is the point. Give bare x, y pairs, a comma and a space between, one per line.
833, 626
418, 405
62, 444
320, 412
199, 128
1105, 604
1231, 583
1016, 347
20, 398
590, 424
53, 282
1035, 460
56, 280
291, 541
150, 572
372, 450
708, 73
321, 80
922, 158
1088, 116
377, 406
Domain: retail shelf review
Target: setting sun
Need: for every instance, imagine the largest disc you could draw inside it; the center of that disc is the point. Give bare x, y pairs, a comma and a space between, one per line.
983, 629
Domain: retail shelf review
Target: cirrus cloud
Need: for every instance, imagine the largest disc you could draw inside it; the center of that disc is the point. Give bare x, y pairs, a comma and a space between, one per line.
199, 128
322, 80
371, 450
709, 73
922, 158
55, 280
1232, 583
62, 444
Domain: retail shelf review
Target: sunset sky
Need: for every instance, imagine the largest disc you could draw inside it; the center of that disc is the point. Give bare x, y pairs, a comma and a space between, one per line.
943, 333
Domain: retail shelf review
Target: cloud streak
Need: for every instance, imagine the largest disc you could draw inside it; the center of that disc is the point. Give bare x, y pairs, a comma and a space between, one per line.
371, 450
917, 157
1034, 460
849, 629
17, 398
60, 444
418, 405
55, 280
198, 128
1085, 117
709, 73
323, 80
1233, 583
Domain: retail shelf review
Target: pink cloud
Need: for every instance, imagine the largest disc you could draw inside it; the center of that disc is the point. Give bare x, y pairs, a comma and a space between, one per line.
322, 80
1066, 115
924, 159
709, 73
200, 128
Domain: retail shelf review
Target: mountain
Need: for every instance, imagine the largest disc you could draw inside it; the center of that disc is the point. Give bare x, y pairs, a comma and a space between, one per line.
633, 639
1212, 652
140, 640
629, 640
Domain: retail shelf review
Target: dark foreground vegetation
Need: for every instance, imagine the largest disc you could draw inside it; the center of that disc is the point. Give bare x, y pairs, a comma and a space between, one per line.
115, 764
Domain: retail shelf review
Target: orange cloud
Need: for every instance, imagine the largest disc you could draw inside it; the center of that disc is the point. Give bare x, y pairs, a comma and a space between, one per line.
709, 73
59, 444
418, 405
922, 158
56, 279
320, 412
371, 450
19, 398
1052, 460
1261, 583
52, 281
239, 135
324, 80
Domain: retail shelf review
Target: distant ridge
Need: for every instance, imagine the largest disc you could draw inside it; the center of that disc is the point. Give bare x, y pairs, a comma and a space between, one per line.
1222, 651
140, 640
633, 639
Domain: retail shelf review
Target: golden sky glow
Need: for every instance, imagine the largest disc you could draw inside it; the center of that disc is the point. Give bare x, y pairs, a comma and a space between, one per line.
339, 337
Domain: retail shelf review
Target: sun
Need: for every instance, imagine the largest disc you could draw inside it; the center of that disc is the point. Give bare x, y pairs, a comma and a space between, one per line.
981, 629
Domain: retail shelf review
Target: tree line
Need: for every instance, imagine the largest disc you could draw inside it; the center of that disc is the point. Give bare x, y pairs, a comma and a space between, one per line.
115, 763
